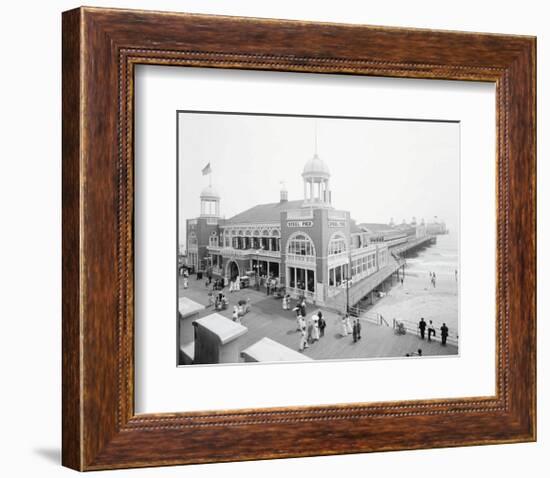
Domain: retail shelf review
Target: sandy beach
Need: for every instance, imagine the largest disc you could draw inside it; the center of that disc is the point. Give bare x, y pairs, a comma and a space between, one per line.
417, 297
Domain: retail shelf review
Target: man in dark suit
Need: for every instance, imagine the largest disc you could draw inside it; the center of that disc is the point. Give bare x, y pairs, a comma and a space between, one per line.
358, 322
303, 307
444, 333
354, 330
321, 323
422, 327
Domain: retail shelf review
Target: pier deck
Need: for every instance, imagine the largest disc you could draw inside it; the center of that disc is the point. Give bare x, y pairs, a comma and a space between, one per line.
268, 319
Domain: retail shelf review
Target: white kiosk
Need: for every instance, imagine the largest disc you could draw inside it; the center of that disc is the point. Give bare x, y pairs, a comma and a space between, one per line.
217, 339
267, 350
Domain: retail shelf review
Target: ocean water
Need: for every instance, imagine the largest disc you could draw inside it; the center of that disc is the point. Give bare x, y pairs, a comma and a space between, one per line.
441, 258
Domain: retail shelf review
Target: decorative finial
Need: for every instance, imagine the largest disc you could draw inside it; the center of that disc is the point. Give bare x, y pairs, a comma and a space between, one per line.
315, 123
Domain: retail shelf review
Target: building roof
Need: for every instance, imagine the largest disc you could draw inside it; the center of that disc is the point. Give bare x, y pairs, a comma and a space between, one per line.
264, 212
354, 228
376, 227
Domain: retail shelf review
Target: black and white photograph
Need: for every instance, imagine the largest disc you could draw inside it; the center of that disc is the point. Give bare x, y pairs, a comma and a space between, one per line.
307, 238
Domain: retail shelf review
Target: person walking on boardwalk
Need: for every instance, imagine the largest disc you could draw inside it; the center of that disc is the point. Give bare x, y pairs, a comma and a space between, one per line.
303, 307
422, 327
343, 326
303, 340
309, 326
354, 331
322, 324
431, 331
315, 332
358, 329
349, 328
298, 316
444, 334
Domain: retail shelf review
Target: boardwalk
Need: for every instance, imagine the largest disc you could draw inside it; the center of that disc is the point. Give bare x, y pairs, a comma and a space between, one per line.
268, 319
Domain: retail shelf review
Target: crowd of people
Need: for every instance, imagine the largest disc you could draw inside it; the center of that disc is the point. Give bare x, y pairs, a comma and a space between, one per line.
311, 328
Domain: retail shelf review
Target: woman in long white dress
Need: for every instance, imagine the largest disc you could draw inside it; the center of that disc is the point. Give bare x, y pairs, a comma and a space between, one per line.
315, 335
343, 327
348, 324
303, 340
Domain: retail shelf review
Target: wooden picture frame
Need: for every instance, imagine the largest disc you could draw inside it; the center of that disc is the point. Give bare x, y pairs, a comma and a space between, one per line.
100, 50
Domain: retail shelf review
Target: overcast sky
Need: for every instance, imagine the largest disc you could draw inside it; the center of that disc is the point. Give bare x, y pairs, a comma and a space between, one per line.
379, 168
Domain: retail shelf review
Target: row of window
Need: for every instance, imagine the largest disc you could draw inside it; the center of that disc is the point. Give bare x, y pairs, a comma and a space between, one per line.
255, 232
363, 264
337, 245
300, 244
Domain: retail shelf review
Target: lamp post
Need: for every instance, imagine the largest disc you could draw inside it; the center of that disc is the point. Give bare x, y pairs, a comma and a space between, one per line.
347, 294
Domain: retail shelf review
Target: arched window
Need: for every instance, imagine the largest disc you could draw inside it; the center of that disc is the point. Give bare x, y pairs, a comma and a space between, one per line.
275, 233
300, 245
337, 244
225, 238
213, 239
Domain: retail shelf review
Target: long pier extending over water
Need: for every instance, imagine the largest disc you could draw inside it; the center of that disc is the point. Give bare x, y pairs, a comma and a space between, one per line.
364, 289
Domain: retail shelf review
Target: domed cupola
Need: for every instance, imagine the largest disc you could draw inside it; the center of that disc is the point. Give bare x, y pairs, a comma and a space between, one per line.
209, 193
316, 168
316, 176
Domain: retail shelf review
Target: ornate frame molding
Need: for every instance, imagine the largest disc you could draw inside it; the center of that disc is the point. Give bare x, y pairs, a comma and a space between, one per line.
101, 48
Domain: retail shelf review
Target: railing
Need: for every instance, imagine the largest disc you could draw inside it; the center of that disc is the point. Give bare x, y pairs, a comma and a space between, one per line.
395, 242
372, 317
299, 259
232, 252
263, 252
295, 293
411, 244
362, 251
338, 259
412, 328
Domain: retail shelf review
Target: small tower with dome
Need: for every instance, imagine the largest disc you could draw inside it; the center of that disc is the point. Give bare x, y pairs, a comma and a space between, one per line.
316, 177
210, 202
